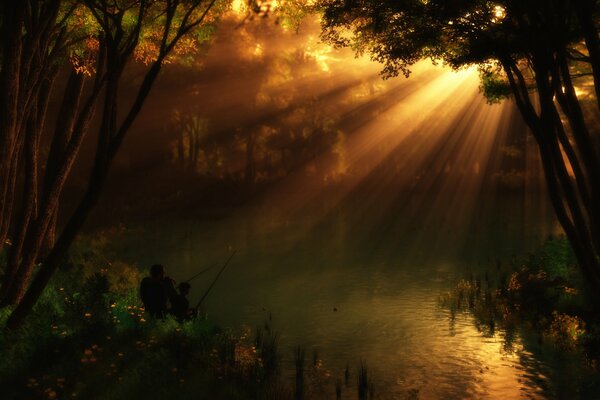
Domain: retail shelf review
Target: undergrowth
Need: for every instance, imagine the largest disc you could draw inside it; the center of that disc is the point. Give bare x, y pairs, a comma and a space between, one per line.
542, 293
89, 338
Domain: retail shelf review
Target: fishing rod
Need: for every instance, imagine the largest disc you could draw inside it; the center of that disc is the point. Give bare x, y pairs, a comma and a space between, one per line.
199, 273
216, 278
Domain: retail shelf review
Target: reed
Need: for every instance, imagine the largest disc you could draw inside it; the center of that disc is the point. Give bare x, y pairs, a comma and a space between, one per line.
299, 356
363, 380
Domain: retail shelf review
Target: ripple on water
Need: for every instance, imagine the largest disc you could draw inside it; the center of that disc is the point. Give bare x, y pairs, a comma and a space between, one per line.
388, 314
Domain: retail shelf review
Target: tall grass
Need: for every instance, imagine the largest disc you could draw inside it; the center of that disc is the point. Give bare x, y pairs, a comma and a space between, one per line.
542, 293
88, 337
363, 380
299, 364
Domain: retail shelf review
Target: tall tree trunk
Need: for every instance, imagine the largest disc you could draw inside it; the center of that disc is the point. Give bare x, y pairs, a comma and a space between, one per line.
546, 128
117, 46
109, 140
55, 181
51, 263
9, 92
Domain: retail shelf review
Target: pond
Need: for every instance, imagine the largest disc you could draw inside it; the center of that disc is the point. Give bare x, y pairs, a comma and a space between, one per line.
365, 285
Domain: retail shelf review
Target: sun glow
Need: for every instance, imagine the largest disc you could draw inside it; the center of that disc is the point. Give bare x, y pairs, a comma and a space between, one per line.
429, 136
437, 134
321, 134
237, 6
499, 13
581, 92
258, 50
322, 53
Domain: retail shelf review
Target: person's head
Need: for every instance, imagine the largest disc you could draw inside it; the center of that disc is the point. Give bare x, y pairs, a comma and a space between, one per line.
184, 288
157, 271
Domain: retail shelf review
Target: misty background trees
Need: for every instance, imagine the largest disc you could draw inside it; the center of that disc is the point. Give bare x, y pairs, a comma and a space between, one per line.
246, 103
538, 52
85, 39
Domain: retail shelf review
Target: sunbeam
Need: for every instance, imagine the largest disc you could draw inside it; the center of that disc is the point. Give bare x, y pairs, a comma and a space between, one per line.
307, 199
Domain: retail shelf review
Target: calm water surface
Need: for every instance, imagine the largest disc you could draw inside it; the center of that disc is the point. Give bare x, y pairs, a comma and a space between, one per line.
383, 272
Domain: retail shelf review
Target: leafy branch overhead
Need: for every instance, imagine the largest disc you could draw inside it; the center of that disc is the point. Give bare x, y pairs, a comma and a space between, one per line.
92, 41
537, 52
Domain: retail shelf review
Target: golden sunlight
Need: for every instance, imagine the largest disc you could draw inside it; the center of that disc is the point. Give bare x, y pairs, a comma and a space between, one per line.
237, 6
499, 13
322, 53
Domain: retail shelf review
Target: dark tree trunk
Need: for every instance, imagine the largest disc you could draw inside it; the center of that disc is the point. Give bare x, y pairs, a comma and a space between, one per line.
34, 128
568, 197
53, 260
109, 141
116, 47
9, 80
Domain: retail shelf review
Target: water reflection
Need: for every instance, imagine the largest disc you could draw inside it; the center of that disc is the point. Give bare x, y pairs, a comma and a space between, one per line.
384, 293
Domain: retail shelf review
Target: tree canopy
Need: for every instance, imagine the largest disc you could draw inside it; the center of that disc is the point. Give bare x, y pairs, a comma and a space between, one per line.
91, 42
400, 33
535, 51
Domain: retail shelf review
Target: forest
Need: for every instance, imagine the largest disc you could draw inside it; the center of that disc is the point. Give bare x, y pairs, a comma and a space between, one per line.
307, 199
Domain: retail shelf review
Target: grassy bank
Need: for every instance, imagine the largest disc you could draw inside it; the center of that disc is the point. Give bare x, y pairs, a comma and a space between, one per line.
89, 338
542, 294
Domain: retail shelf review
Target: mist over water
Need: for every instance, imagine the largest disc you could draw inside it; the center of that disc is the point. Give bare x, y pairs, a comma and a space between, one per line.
421, 183
384, 285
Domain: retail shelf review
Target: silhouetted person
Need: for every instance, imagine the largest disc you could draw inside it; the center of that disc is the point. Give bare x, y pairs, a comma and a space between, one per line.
155, 290
180, 305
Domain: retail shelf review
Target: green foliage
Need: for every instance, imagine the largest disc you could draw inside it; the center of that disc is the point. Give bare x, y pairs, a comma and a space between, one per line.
88, 337
545, 294
266, 343
399, 33
60, 351
290, 13
494, 86
557, 259
95, 253
566, 330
